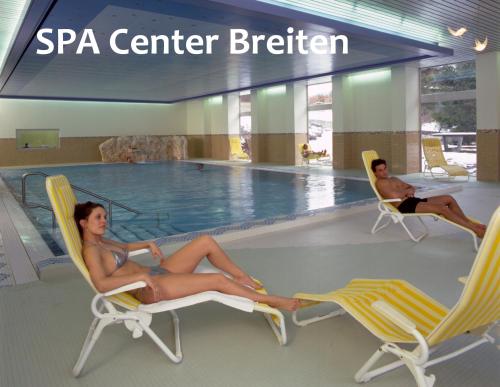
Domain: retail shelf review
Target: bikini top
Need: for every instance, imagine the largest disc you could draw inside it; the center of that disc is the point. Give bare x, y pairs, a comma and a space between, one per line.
120, 255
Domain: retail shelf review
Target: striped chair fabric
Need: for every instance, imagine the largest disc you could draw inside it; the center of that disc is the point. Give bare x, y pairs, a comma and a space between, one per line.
478, 306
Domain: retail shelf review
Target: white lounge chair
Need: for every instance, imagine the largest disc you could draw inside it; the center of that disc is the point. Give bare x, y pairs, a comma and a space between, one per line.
387, 210
118, 306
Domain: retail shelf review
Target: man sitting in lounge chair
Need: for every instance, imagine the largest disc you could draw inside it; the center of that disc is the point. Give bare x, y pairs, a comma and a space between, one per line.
444, 205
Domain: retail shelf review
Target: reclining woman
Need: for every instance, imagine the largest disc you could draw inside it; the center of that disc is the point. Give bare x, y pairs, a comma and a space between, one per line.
110, 268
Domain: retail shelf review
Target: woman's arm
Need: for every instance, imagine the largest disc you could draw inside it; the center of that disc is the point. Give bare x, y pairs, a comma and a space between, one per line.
151, 245
104, 283
133, 246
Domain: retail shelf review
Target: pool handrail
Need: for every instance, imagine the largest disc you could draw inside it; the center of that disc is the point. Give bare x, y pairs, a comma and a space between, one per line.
110, 202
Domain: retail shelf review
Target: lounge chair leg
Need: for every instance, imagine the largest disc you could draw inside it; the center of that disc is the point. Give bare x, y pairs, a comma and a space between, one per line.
279, 331
276, 321
413, 238
177, 357
474, 239
363, 376
376, 228
94, 332
418, 373
175, 321
304, 322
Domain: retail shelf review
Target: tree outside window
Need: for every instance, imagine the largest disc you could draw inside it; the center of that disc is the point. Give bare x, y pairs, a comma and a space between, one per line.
448, 105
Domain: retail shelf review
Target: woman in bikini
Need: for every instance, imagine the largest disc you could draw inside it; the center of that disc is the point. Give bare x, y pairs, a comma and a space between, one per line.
110, 267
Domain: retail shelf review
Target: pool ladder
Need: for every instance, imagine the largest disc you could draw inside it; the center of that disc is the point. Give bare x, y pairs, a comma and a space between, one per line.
76, 188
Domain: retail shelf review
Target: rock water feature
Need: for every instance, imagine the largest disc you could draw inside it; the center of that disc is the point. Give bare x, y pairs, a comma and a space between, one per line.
143, 148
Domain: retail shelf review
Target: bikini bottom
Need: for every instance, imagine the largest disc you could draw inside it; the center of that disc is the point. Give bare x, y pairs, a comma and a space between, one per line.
157, 270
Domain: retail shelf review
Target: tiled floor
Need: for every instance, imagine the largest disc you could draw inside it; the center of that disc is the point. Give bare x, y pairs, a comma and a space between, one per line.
224, 347
6, 277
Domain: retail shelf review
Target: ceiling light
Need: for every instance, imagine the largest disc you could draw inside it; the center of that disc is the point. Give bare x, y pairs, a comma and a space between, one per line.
357, 13
480, 46
458, 32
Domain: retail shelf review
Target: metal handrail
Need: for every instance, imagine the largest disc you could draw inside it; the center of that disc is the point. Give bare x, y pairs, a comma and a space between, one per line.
86, 191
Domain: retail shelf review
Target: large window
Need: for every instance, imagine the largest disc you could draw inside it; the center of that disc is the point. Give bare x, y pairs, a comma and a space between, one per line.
246, 121
37, 138
319, 116
448, 110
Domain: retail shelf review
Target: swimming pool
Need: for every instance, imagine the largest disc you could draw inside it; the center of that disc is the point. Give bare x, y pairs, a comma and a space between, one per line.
178, 197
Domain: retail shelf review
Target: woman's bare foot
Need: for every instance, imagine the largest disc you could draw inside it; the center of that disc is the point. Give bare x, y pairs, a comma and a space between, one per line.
479, 229
285, 303
246, 280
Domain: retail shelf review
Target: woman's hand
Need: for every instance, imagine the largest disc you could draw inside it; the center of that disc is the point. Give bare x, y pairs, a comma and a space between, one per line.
155, 251
153, 287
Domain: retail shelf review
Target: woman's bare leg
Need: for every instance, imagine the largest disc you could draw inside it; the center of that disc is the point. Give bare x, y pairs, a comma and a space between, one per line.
186, 259
181, 285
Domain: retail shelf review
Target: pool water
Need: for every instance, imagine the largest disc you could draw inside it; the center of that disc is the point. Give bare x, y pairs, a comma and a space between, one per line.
179, 197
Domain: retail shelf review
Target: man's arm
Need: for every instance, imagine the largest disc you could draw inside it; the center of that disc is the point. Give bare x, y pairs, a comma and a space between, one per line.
386, 189
408, 189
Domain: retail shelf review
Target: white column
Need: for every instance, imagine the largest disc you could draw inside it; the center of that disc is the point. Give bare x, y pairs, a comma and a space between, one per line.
488, 116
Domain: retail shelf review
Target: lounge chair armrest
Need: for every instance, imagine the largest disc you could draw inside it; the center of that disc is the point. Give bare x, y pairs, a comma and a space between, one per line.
139, 252
391, 200
395, 316
126, 288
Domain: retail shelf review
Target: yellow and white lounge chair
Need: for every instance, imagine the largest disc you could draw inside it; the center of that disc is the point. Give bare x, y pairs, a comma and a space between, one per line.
311, 156
118, 306
236, 150
388, 210
434, 158
396, 312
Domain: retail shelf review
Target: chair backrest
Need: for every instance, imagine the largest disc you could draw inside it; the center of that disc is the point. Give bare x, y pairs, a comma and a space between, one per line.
368, 156
63, 202
479, 304
235, 146
433, 152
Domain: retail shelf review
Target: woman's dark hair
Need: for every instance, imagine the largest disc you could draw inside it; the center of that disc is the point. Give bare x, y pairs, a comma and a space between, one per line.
377, 162
82, 211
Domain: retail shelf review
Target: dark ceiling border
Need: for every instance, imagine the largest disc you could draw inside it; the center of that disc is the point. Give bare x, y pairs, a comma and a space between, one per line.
220, 92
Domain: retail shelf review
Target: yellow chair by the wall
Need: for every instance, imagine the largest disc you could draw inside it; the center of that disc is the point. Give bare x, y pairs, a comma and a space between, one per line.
434, 158
311, 155
397, 312
236, 150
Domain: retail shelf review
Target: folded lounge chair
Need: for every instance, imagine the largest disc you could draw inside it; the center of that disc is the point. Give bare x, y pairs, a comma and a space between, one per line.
388, 210
118, 306
434, 158
396, 312
236, 150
